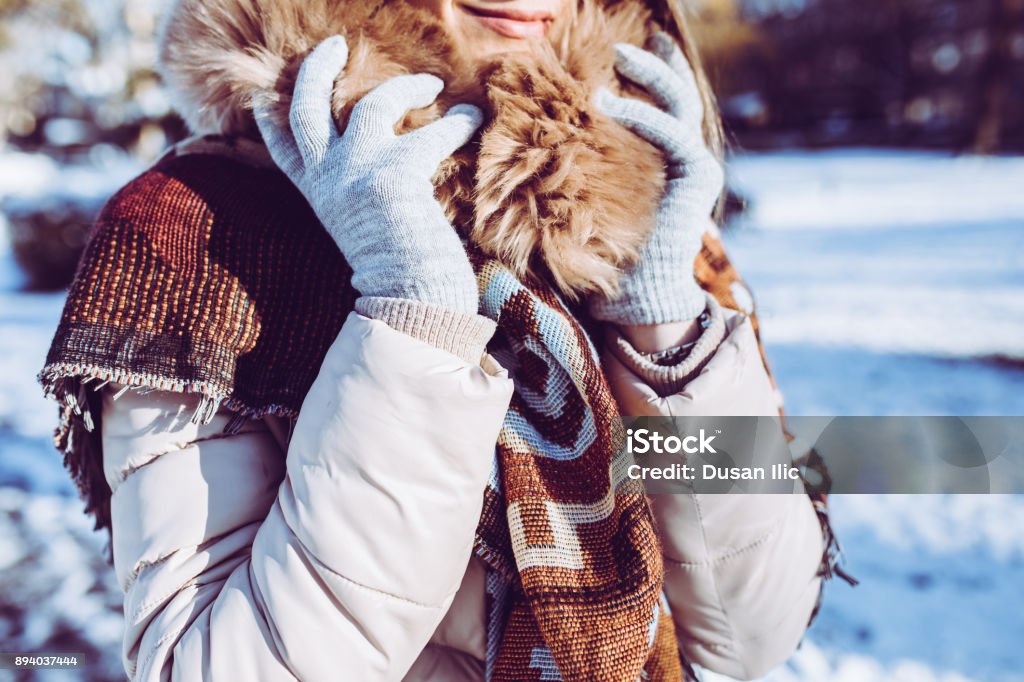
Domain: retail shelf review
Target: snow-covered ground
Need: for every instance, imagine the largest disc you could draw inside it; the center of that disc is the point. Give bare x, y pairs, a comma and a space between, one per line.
901, 273
888, 283
892, 283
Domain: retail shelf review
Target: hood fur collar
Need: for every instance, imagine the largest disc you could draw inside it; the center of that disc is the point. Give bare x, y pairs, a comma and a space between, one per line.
553, 188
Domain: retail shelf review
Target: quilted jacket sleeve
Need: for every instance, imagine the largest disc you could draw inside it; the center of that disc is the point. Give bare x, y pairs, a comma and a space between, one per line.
741, 571
240, 564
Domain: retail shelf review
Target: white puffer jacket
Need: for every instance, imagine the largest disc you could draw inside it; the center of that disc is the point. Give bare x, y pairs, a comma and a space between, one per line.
350, 559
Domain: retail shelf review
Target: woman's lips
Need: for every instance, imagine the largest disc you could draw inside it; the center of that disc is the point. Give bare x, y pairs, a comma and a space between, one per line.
512, 23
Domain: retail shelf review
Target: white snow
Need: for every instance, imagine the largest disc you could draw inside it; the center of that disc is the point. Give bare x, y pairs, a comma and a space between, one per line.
37, 178
898, 275
893, 283
870, 189
887, 282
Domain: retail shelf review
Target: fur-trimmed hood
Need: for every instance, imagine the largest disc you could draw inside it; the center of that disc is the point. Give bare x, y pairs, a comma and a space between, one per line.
552, 187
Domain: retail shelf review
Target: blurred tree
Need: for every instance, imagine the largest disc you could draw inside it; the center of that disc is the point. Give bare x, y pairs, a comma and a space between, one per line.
79, 73
78, 85
1005, 33
937, 73
726, 38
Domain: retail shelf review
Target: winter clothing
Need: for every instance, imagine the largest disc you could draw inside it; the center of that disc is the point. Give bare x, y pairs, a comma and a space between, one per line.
551, 184
670, 379
539, 458
359, 561
336, 563
660, 287
209, 275
371, 189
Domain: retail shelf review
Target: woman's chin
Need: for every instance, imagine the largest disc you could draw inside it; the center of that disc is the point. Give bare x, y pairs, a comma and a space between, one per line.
493, 50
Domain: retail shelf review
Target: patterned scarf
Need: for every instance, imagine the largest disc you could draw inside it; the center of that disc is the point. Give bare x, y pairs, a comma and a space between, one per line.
209, 274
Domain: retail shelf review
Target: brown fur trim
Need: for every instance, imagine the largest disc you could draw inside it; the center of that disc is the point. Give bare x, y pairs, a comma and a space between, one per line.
553, 189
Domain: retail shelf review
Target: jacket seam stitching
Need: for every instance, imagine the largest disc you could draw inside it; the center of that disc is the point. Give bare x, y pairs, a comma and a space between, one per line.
143, 565
175, 447
714, 583
768, 535
144, 607
373, 590
166, 637
194, 581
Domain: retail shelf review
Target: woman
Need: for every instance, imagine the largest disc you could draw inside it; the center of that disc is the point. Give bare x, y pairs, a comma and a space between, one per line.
404, 312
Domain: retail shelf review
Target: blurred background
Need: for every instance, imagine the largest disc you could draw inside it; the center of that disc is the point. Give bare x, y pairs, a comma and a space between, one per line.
876, 209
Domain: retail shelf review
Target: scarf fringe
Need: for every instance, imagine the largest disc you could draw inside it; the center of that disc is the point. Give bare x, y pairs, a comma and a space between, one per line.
76, 388
833, 555
55, 379
817, 491
66, 383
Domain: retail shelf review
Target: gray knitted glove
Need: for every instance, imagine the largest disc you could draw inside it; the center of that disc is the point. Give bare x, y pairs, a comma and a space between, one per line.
372, 188
661, 286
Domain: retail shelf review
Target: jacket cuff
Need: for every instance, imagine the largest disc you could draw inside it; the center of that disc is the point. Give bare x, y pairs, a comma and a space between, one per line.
457, 333
668, 380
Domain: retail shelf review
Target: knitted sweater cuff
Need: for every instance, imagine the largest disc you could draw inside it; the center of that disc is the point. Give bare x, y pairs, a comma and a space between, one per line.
457, 333
668, 380
649, 299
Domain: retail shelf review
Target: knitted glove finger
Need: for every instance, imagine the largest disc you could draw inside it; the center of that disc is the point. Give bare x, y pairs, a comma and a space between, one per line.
372, 189
654, 75
661, 286
377, 113
311, 120
379, 203
435, 142
663, 45
679, 144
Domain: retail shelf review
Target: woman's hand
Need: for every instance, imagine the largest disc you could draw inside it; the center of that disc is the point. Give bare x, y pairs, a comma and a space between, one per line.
371, 188
661, 287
